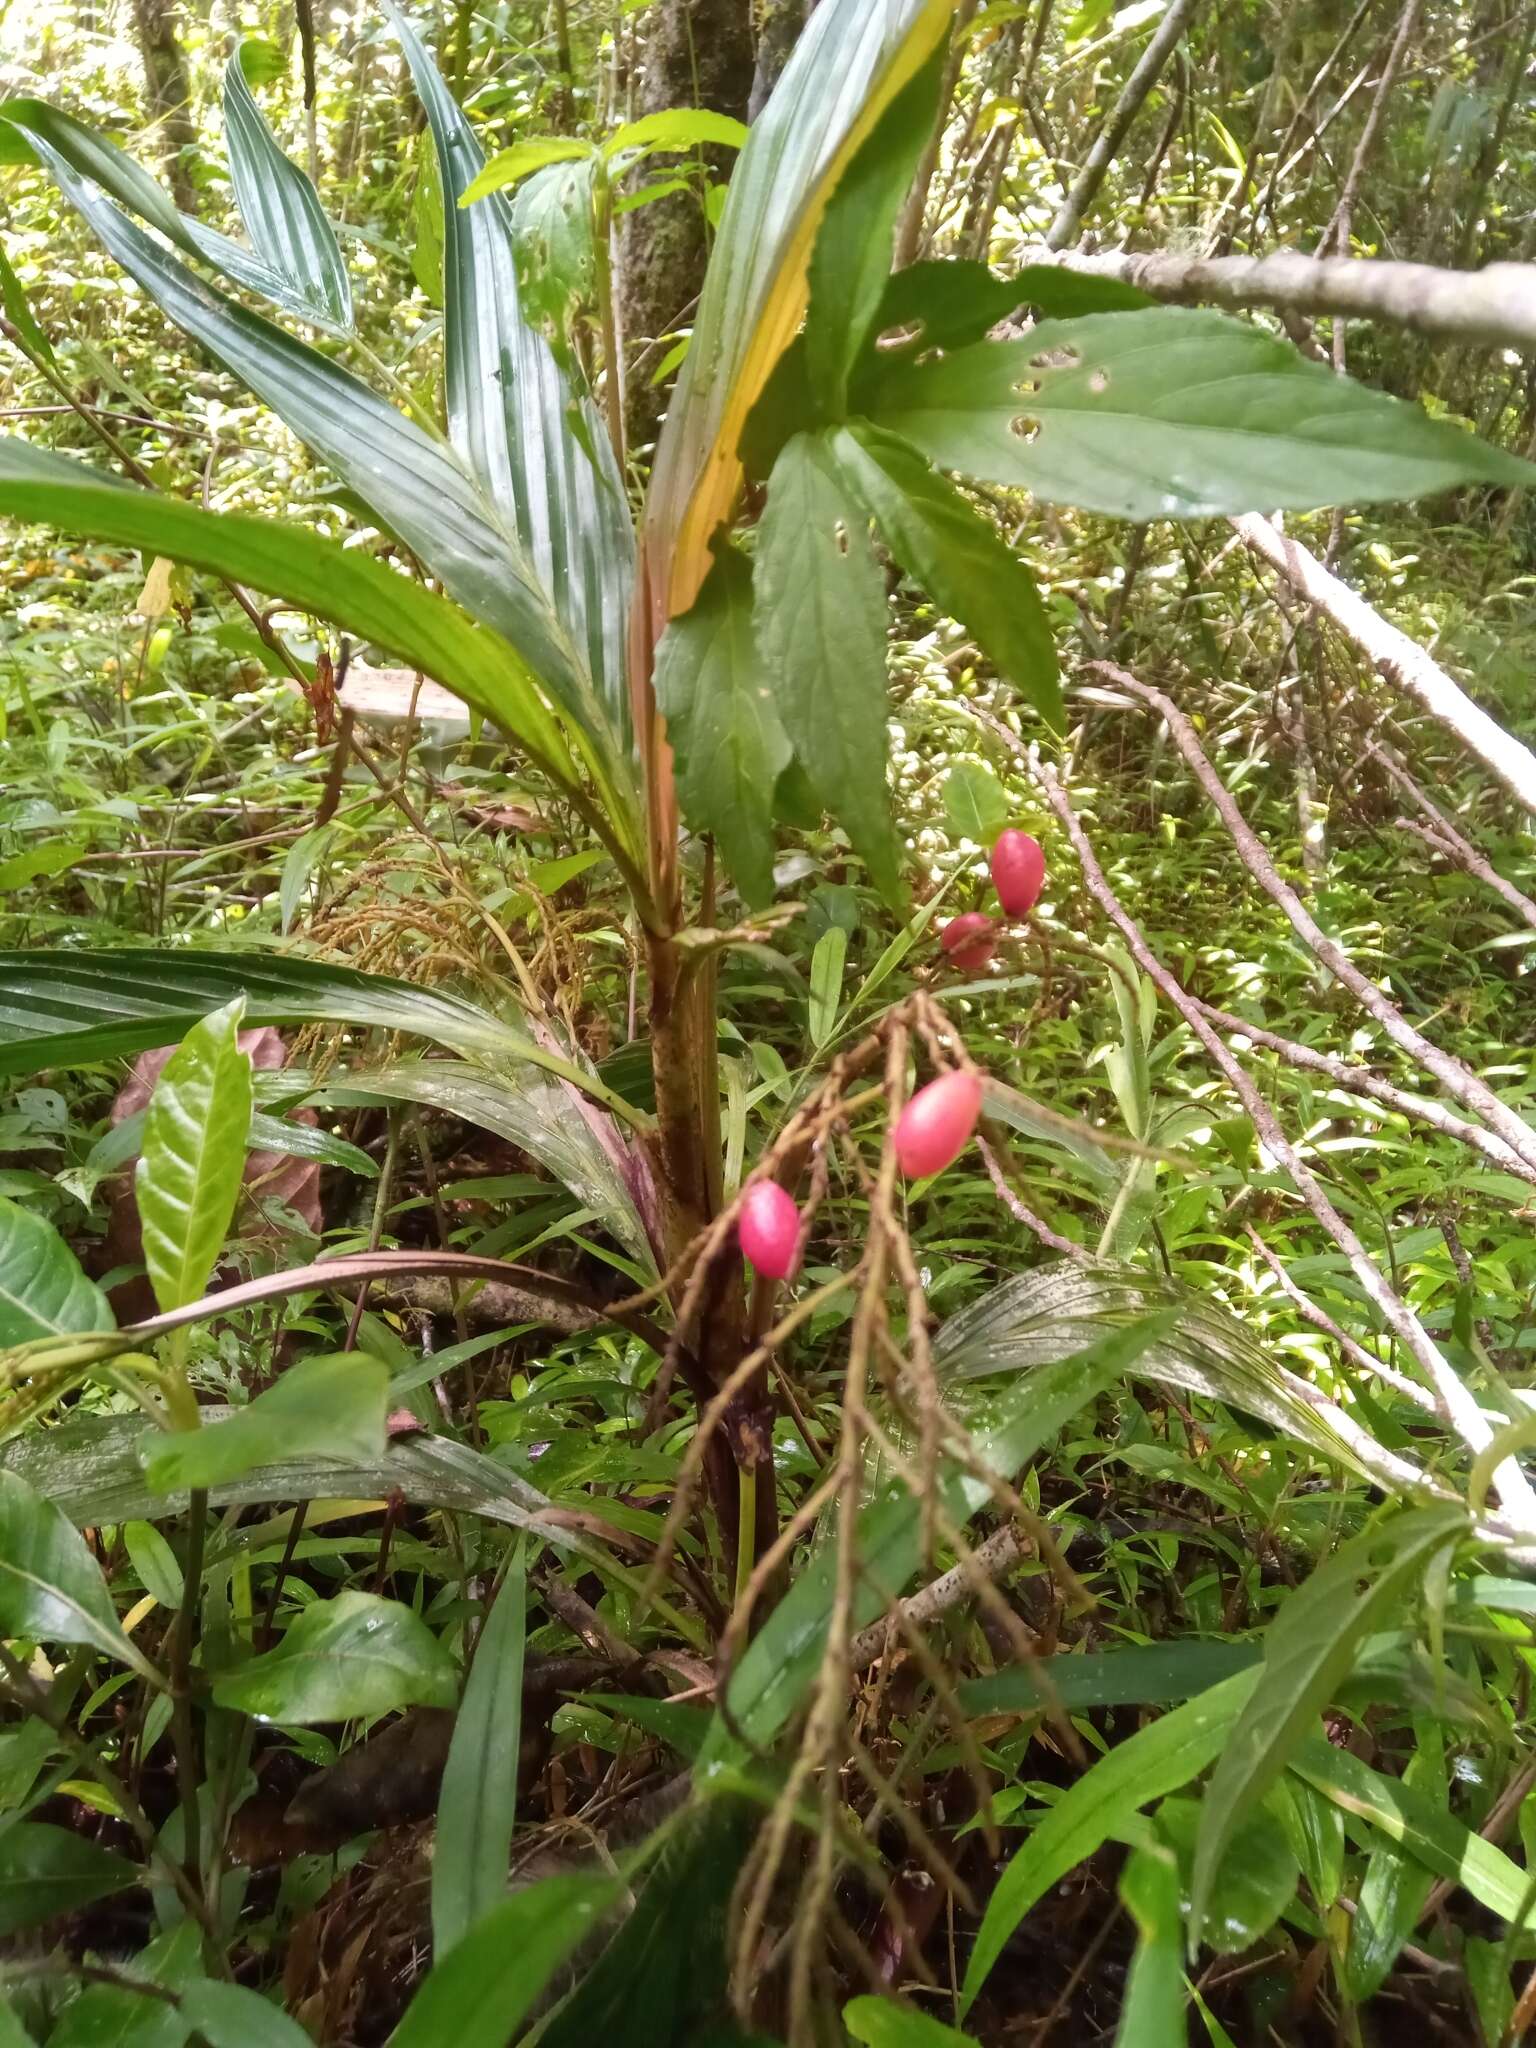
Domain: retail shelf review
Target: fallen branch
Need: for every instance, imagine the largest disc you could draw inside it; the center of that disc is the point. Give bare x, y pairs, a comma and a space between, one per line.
1402, 661
1361, 1081
1457, 1079
1440, 833
1496, 304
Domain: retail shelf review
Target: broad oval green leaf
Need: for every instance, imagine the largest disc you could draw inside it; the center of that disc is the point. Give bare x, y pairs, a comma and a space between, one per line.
46, 1870
43, 1291
1309, 1647
478, 1802
1169, 413
321, 1407
196, 1129
51, 1588
354, 1656
1258, 1874
481, 1991
975, 802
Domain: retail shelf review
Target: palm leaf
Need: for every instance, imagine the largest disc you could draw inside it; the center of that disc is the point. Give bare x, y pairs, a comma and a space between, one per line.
535, 445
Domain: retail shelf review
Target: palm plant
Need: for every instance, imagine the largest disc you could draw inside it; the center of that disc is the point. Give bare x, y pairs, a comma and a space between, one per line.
679, 677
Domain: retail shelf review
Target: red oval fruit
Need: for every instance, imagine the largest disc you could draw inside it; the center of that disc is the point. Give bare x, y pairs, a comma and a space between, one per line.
770, 1229
971, 940
1018, 872
936, 1125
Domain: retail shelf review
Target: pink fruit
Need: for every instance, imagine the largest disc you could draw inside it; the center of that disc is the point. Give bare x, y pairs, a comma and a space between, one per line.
770, 1229
1018, 872
936, 1125
971, 940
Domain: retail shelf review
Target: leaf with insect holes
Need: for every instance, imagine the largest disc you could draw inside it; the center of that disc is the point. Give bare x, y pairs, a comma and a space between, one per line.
851, 260
187, 1181
43, 1291
716, 694
820, 616
1170, 413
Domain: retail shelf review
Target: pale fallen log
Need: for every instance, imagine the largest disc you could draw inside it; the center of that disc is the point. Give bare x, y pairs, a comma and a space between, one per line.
1496, 304
1400, 660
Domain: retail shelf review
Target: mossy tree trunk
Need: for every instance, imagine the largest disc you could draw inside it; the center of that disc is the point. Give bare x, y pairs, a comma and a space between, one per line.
167, 91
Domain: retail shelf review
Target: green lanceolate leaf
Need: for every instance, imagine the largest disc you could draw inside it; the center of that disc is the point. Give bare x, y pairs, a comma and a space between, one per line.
1310, 1646
675, 129
882, 2023
1417, 1824
322, 577
1396, 1884
1152, 2015
1257, 1878
322, 1407
648, 1985
17, 310
510, 166
1149, 1674
281, 210
51, 1587
852, 257
188, 1177
1160, 1758
478, 1802
352, 1656
529, 436
827, 961
47, 1870
43, 1292
716, 693
1170, 413
231, 2016
480, 1992
948, 547
820, 615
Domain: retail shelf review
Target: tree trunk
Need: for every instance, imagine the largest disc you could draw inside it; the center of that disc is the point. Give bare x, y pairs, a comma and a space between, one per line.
167, 91
698, 53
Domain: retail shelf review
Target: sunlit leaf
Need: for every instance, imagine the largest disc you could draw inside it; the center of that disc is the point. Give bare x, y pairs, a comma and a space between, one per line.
187, 1181
343, 1658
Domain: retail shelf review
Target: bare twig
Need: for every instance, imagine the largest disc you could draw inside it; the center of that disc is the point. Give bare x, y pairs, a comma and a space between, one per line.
1458, 1080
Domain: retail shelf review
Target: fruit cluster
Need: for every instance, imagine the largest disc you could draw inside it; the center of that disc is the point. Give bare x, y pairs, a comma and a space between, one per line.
1018, 876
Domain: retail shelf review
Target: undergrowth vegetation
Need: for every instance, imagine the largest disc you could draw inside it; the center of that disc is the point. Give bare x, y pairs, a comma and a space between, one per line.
459, 845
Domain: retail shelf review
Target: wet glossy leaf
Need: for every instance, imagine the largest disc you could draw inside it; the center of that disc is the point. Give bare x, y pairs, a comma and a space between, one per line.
45, 1870
192, 1158
43, 1292
1257, 1877
348, 1657
331, 1407
51, 1587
